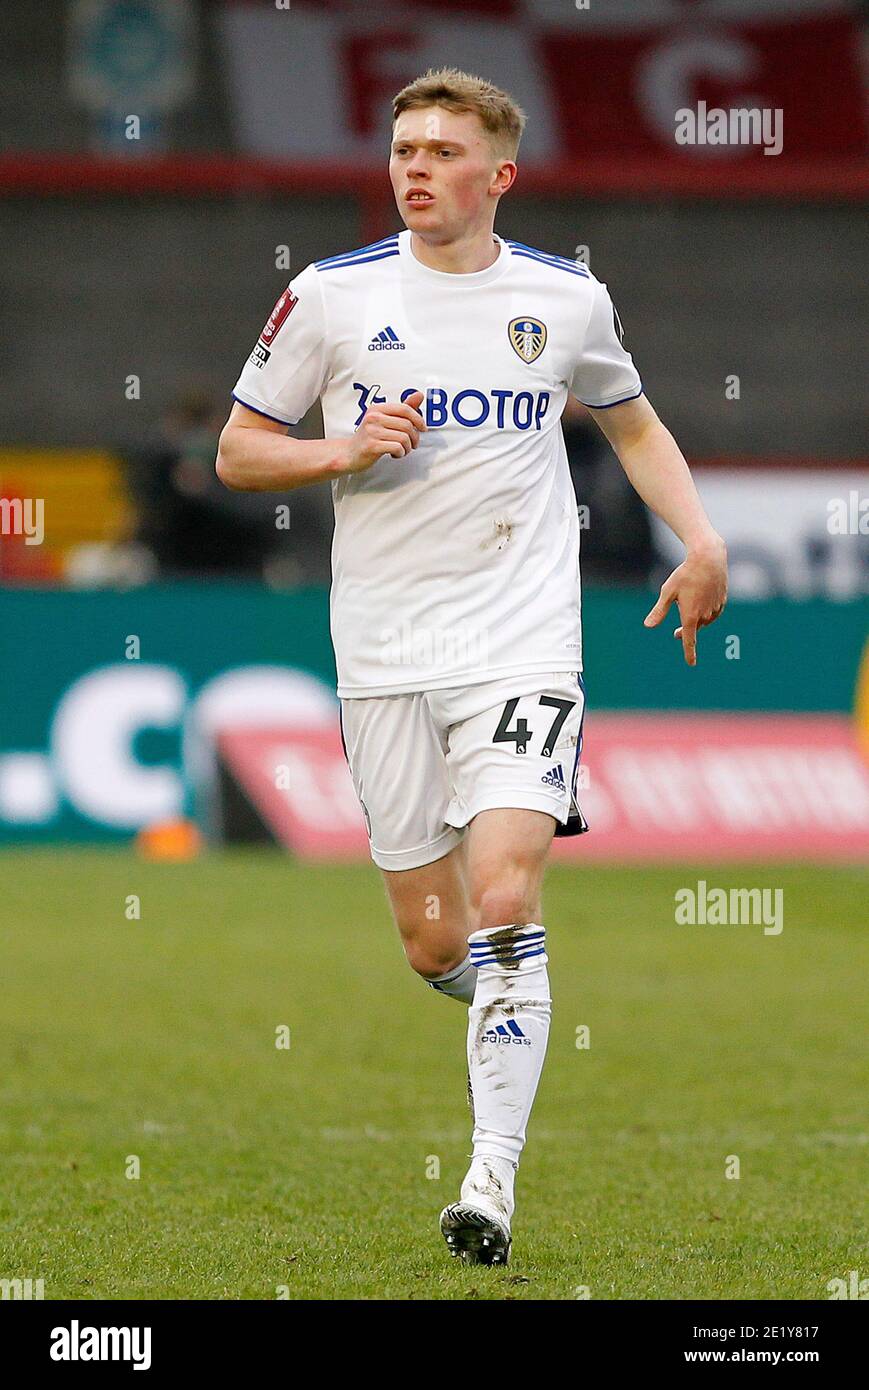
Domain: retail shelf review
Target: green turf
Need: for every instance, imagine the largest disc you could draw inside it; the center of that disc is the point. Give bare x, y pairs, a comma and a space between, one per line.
307, 1168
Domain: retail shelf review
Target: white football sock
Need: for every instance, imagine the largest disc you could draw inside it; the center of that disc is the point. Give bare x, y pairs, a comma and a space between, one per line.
508, 1029
459, 983
489, 1184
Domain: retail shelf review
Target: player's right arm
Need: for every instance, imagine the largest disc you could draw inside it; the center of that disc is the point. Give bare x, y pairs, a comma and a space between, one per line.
256, 454
285, 374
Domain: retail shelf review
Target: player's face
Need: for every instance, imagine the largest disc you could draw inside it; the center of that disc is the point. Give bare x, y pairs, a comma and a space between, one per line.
447, 154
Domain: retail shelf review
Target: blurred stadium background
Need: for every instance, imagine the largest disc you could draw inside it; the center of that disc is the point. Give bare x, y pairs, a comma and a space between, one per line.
141, 256
167, 676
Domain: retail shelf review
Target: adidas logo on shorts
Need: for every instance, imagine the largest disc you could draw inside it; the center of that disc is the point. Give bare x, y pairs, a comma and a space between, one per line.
555, 777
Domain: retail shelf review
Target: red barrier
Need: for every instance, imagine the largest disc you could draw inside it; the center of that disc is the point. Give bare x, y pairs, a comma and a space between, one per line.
654, 787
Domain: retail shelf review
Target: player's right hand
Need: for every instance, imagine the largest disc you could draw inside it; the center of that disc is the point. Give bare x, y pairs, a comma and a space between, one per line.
392, 429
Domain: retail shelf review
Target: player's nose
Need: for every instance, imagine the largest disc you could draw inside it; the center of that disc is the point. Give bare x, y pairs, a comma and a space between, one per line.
419, 167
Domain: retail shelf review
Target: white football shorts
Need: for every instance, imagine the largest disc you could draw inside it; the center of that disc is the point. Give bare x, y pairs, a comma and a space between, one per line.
425, 763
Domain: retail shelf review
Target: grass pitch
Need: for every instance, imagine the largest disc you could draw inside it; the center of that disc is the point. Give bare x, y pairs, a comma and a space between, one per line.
312, 1171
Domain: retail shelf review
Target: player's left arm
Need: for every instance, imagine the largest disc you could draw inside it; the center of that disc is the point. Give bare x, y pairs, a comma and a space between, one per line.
656, 468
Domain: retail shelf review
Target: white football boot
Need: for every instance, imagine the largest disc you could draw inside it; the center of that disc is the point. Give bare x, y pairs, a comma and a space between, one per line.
476, 1228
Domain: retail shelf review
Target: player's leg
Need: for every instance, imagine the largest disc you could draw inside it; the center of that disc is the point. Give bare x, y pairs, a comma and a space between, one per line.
508, 1022
430, 908
507, 849
515, 790
397, 760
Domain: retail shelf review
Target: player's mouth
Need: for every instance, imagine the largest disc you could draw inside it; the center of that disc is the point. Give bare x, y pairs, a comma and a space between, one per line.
419, 197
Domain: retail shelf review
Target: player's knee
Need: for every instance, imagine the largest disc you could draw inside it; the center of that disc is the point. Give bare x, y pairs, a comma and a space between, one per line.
431, 960
505, 903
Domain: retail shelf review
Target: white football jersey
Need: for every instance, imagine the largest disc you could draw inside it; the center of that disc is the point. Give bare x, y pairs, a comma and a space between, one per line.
458, 563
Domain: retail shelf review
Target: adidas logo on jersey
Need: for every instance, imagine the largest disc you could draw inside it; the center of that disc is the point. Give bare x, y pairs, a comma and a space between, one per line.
507, 1033
387, 340
555, 777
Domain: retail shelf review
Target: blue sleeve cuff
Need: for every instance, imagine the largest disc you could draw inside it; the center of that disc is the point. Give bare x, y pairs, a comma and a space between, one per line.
610, 404
277, 419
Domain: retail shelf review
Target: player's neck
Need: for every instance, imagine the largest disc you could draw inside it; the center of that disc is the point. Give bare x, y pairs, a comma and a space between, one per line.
462, 257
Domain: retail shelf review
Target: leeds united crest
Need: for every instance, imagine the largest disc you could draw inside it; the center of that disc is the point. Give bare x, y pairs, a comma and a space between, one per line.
528, 338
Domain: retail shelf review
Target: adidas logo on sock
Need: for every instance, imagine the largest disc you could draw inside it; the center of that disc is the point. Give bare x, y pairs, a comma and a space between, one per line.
387, 340
507, 1033
555, 777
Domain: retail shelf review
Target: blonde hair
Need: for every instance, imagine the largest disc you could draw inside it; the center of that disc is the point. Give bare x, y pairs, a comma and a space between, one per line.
502, 118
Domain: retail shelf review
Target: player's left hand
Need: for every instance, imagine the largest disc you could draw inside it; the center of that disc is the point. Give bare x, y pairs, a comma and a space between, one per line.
699, 588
